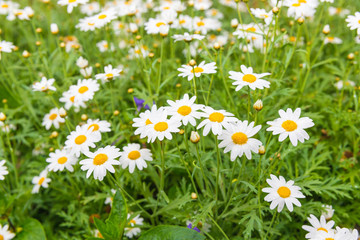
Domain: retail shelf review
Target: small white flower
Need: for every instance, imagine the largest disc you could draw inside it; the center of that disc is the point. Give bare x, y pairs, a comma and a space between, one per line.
131, 231
109, 200
71, 4
202, 68
317, 225
248, 78
133, 156
80, 140
5, 233
354, 22
98, 126
52, 118
40, 181
215, 121
329, 212
82, 62
54, 28
61, 159
44, 85
3, 170
187, 37
109, 74
6, 46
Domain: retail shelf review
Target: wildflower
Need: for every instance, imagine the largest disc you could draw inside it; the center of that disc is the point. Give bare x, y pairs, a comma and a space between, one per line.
194, 137
86, 24
354, 22
52, 118
299, 8
140, 104
333, 40
338, 11
202, 5
44, 85
80, 140
61, 159
40, 181
54, 28
109, 74
152, 26
144, 120
103, 46
248, 78
339, 234
2, 116
90, 8
100, 161
85, 89
70, 99
204, 25
262, 14
131, 231
281, 192
291, 125
3, 170
187, 37
190, 225
215, 121
5, 234
258, 105
200, 227
109, 200
317, 225
197, 70
236, 138
134, 156
71, 4
98, 126
104, 17
6, 46
329, 212
82, 62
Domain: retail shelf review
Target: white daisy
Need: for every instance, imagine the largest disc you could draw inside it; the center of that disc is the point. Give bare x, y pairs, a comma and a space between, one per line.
262, 14
98, 126
80, 140
104, 46
215, 121
82, 62
348, 83
100, 161
354, 22
87, 24
61, 159
317, 225
248, 78
197, 70
291, 125
152, 26
328, 212
339, 234
187, 37
301, 8
143, 121
109, 200
71, 4
52, 118
109, 74
6, 46
281, 192
104, 17
3, 170
40, 181
237, 138
134, 156
85, 89
44, 85
131, 231
185, 110
70, 99
5, 234
333, 40
86, 72
90, 8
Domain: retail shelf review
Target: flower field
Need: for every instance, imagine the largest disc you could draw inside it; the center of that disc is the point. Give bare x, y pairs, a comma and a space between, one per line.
178, 120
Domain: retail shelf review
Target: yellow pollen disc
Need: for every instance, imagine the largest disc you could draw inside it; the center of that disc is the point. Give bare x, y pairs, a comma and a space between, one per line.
133, 155
80, 139
71, 1
161, 126
91, 24
201, 23
249, 78
251, 29
216, 117
100, 159
133, 221
332, 38
302, 1
109, 75
102, 16
41, 180
62, 160
94, 126
166, 8
1, 237
292, 39
184, 110
182, 21
239, 138
147, 122
159, 24
284, 192
329, 239
18, 13
137, 51
106, 45
359, 21
4, 6
83, 89
197, 70
322, 229
296, 4
289, 125
53, 116
72, 98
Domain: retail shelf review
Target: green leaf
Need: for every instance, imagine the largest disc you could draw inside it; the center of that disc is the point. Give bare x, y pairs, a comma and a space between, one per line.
32, 229
167, 232
113, 228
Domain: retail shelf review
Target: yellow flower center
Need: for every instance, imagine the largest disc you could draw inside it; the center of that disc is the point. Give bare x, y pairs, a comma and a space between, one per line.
249, 78
100, 159
71, 1
216, 117
251, 29
331, 39
159, 24
239, 138
109, 75
80, 139
197, 70
147, 122
83, 89
4, 6
132, 221
102, 16
292, 39
62, 160
94, 126
289, 125
182, 21
284, 192
41, 180
53, 116
161, 126
91, 24
133, 155
184, 110
329, 239
322, 229
296, 4
201, 23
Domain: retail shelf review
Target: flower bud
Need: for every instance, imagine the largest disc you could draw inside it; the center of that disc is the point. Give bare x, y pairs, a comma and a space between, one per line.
62, 112
82, 62
54, 134
193, 195
26, 54
261, 150
258, 105
182, 131
275, 10
192, 62
217, 46
84, 117
130, 90
326, 29
350, 56
194, 137
116, 112
38, 30
2, 116
301, 21
234, 23
329, 212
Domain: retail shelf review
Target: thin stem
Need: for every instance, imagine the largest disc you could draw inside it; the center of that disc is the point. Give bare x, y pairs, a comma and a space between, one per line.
202, 169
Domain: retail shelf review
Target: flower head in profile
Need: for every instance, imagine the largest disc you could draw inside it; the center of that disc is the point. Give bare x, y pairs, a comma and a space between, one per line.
6, 46
40, 181
132, 230
248, 78
196, 71
133, 156
291, 125
281, 193
215, 120
44, 85
3, 170
109, 74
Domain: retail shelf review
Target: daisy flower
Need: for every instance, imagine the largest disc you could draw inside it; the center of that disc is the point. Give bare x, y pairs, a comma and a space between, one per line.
100, 161
98, 126
134, 156
109, 74
300, 8
71, 4
82, 62
185, 110
70, 99
104, 17
104, 46
6, 47
131, 231
86, 72
80, 140
340, 84
187, 37
90, 8
5, 234
44, 85
52, 118
237, 138
3, 170
339, 234
85, 89
87, 24
143, 121
216, 120
152, 26
281, 192
61, 159
354, 22
40, 181
333, 40
291, 125
197, 70
109, 200
328, 212
317, 225
262, 14
248, 78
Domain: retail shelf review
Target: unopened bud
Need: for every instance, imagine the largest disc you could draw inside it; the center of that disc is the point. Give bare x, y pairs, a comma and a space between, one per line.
2, 116
234, 23
62, 112
84, 117
54, 134
130, 90
191, 3
116, 112
182, 131
37, 43
301, 21
151, 55
216, 46
261, 150
26, 54
194, 195
62, 44
350, 56
178, 85
54, 28
275, 10
194, 137
38, 30
192, 62
258, 105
